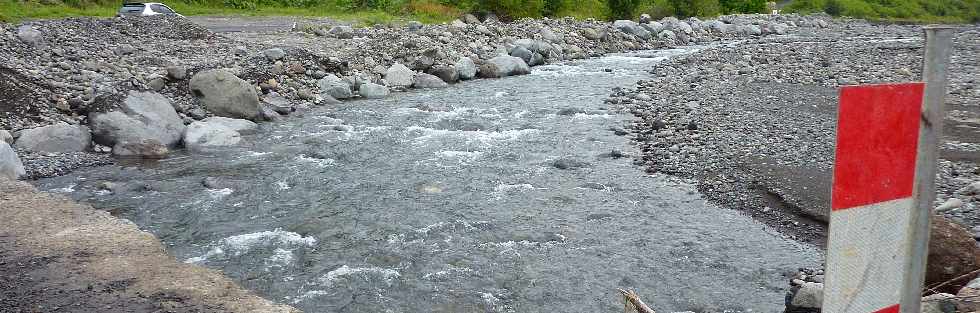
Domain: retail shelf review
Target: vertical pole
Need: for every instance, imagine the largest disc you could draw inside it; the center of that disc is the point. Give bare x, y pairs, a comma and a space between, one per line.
934, 65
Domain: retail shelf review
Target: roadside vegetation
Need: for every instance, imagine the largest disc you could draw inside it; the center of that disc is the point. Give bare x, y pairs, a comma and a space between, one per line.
954, 11
385, 11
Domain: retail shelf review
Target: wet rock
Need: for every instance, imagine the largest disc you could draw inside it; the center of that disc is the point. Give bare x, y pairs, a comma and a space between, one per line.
335, 87
278, 103
202, 135
423, 80
466, 68
522, 53
147, 149
10, 165
60, 137
952, 252
399, 75
505, 65
224, 94
373, 91
569, 163
141, 116
239, 125
446, 73
949, 204
570, 111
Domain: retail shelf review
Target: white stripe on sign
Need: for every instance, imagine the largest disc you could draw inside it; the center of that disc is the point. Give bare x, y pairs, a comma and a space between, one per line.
866, 255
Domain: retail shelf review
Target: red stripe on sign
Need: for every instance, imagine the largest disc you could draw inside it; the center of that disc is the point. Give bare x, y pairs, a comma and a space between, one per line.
877, 137
891, 309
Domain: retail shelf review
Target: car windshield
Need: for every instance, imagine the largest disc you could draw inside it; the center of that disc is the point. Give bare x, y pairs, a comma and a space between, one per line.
131, 8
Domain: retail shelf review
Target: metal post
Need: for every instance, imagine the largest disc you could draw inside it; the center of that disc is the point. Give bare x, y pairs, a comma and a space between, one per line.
934, 65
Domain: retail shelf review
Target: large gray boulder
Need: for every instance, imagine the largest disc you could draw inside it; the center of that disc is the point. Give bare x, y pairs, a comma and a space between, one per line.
274, 54
226, 95
423, 80
448, 74
10, 166
809, 295
142, 116
506, 65
335, 87
373, 91
399, 75
748, 30
632, 28
204, 135
681, 27
466, 68
719, 27
60, 137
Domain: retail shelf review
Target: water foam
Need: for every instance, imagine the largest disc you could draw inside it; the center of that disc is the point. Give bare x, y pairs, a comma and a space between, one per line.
241, 244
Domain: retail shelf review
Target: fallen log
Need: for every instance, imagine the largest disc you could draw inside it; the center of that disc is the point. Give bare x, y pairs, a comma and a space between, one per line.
633, 302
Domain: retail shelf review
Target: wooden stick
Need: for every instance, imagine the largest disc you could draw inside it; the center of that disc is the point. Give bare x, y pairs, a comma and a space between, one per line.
633, 301
935, 287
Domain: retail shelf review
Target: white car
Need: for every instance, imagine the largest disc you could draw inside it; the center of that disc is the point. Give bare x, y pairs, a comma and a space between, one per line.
145, 9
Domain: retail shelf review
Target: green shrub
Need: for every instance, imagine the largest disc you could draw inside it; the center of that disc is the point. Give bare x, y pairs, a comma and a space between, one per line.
622, 9
743, 6
657, 8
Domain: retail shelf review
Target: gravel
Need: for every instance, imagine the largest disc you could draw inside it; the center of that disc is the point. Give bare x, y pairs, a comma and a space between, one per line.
753, 123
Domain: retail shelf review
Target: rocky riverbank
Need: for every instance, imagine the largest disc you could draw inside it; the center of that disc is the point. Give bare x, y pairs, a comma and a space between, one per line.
75, 90
754, 123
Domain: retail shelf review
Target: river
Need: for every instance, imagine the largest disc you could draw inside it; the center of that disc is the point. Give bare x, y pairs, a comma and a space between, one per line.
505, 195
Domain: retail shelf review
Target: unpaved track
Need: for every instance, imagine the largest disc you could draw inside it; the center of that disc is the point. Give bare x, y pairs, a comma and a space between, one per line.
60, 256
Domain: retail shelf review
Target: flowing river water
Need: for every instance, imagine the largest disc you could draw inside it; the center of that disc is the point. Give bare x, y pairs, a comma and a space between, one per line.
489, 196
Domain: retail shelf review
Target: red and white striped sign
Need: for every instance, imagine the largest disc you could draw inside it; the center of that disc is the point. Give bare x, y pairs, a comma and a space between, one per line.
872, 203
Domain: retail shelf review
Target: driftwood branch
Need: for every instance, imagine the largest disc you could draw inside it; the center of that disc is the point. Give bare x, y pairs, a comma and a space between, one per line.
633, 302
935, 287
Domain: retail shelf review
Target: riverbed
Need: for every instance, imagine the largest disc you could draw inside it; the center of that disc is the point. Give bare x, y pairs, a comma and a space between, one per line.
506, 195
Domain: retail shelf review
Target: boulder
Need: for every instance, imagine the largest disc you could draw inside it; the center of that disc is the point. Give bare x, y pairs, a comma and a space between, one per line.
60, 137
458, 24
470, 19
176, 72
645, 18
668, 36
548, 35
809, 295
10, 166
952, 252
414, 26
278, 103
203, 135
939, 303
969, 292
29, 35
653, 27
226, 95
748, 30
147, 149
466, 68
489, 70
681, 27
522, 53
342, 32
373, 91
142, 116
335, 87
632, 28
590, 34
5, 136
423, 80
274, 54
446, 73
506, 65
399, 75
719, 27
238, 125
